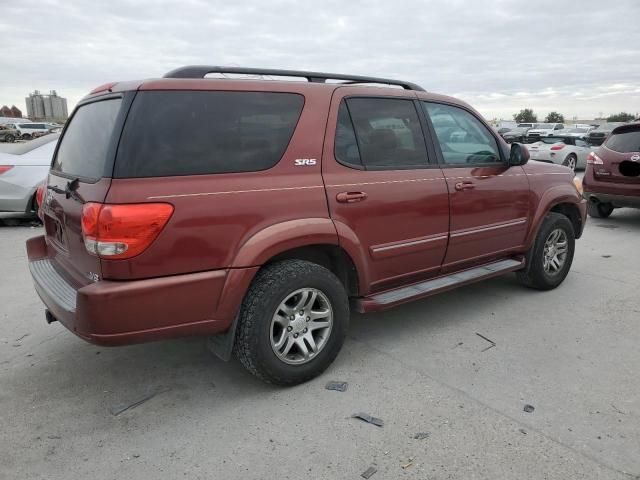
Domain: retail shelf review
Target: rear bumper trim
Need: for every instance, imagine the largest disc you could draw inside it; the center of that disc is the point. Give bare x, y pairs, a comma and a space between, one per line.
616, 200
53, 284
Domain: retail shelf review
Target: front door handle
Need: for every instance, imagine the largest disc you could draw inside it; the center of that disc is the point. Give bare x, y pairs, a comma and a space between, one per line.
351, 197
464, 186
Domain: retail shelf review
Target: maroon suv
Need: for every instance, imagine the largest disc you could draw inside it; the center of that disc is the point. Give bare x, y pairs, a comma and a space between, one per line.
259, 212
612, 177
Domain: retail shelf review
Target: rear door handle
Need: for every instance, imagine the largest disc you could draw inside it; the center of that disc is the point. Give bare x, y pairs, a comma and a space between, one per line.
351, 197
464, 186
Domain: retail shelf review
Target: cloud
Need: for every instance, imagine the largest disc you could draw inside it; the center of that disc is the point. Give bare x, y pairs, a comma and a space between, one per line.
498, 55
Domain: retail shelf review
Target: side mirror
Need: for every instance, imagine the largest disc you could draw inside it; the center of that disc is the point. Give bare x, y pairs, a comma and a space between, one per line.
519, 155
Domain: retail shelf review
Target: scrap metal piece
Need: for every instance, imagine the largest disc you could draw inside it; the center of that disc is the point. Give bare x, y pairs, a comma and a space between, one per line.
493, 344
123, 407
378, 422
368, 473
337, 386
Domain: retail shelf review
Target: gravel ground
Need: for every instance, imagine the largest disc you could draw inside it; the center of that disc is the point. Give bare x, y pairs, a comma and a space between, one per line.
571, 353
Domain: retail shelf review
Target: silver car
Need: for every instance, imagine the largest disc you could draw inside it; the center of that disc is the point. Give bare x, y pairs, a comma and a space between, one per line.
22, 167
568, 151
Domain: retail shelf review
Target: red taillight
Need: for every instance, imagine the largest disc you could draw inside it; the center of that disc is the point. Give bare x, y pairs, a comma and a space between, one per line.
122, 231
594, 159
42, 188
40, 193
5, 168
559, 146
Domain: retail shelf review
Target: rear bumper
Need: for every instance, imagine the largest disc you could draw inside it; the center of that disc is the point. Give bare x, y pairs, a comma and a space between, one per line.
118, 313
620, 194
618, 201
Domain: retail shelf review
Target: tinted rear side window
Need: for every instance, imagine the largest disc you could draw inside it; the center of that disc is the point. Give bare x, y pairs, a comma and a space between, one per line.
195, 133
388, 132
85, 144
625, 141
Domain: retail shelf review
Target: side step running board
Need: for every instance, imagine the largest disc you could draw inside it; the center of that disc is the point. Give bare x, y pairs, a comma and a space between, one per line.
394, 297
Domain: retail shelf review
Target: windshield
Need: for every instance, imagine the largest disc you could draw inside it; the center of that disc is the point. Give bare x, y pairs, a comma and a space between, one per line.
551, 140
545, 126
577, 130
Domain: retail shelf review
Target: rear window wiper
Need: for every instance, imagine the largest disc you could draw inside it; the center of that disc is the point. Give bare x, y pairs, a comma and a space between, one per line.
69, 190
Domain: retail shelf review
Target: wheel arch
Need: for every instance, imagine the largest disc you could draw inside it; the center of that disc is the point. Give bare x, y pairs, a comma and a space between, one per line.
563, 199
314, 239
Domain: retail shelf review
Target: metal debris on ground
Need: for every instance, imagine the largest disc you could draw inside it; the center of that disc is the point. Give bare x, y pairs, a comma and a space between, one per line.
378, 422
407, 465
617, 409
493, 344
337, 386
22, 337
606, 256
529, 408
123, 407
368, 473
421, 435
522, 431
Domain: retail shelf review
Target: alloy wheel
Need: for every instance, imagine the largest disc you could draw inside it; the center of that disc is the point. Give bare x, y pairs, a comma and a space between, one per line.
301, 326
555, 251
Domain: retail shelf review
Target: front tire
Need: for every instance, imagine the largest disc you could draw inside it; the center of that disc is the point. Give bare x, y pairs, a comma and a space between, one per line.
293, 322
599, 209
550, 257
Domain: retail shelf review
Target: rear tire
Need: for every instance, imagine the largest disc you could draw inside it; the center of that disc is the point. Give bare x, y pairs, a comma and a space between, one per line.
9, 139
267, 320
550, 257
571, 161
599, 209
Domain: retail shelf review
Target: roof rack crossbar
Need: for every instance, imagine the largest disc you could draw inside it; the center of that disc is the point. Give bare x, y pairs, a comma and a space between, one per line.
200, 71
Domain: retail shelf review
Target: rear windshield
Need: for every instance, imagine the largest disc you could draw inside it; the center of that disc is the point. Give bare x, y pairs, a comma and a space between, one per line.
625, 141
195, 133
84, 146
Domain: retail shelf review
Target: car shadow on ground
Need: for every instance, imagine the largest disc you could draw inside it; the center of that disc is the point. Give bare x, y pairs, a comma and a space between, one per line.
620, 218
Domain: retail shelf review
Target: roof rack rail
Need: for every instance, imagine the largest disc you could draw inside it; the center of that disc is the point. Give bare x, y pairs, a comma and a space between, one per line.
200, 71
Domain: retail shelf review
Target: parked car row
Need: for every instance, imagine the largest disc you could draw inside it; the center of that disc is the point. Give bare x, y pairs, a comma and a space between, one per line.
10, 132
593, 134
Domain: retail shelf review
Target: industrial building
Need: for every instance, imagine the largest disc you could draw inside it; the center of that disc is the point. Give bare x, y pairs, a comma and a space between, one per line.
47, 107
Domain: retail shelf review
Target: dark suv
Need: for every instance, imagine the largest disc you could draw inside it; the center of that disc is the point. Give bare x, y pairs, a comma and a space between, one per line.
612, 177
259, 212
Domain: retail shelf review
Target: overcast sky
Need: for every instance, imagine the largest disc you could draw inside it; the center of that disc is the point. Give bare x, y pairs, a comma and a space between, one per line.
578, 57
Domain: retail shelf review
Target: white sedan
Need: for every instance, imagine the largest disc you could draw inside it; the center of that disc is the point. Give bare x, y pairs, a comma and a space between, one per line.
22, 167
569, 151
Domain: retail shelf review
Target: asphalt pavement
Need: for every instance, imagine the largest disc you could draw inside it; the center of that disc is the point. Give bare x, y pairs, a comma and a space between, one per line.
458, 369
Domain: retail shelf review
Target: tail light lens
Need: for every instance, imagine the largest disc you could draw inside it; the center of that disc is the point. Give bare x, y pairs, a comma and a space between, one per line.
557, 147
42, 188
594, 159
122, 231
5, 168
